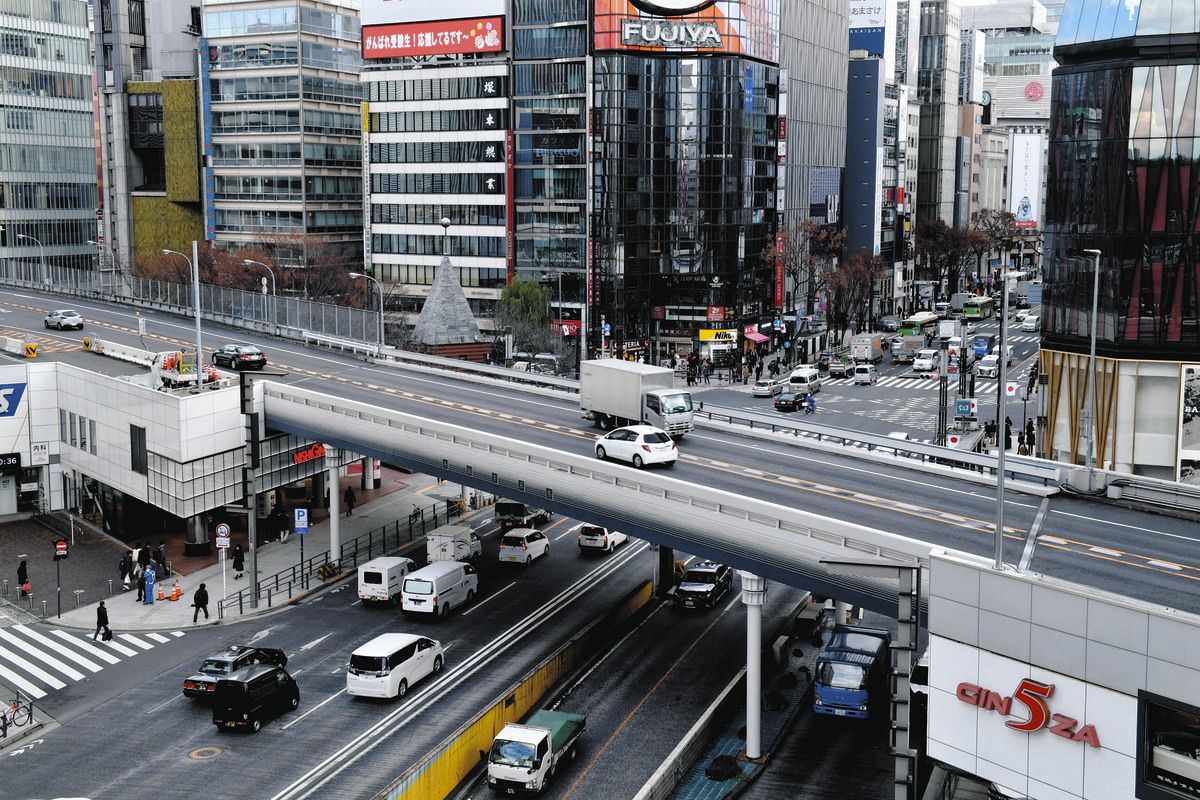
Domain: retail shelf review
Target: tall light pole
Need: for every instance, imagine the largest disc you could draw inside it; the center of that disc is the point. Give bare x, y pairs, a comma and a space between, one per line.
1001, 390
250, 262
1089, 417
379, 286
41, 254
194, 265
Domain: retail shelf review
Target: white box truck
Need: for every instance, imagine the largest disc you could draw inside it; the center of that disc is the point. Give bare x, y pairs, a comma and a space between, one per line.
452, 543
523, 758
867, 347
613, 392
379, 579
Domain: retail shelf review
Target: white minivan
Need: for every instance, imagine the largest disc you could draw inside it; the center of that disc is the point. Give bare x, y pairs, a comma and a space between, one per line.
389, 665
379, 579
804, 380
439, 587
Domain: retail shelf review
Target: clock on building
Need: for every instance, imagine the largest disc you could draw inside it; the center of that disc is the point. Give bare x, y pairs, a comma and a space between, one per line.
987, 98
1034, 91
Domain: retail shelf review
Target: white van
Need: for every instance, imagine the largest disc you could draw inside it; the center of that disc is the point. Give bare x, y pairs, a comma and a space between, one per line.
379, 579
452, 543
805, 380
439, 587
389, 665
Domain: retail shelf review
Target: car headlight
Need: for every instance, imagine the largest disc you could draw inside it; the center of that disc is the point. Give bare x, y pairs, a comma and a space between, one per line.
530, 785
862, 707
818, 701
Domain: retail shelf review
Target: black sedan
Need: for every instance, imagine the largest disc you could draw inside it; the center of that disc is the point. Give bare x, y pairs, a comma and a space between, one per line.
788, 401
220, 665
239, 356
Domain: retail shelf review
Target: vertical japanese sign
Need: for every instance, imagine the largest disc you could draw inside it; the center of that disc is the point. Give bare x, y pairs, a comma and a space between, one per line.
206, 123
510, 246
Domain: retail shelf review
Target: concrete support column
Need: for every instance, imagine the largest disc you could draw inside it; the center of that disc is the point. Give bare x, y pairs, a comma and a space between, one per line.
364, 484
335, 501
754, 594
664, 572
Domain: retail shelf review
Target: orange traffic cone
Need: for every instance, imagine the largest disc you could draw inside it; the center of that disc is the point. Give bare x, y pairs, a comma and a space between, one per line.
176, 590
161, 596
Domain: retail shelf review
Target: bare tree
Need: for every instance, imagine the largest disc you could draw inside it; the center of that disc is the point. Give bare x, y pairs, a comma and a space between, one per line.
808, 251
849, 290
943, 253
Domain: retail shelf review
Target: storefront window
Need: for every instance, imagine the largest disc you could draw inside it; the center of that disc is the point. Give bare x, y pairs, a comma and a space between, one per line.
1168, 749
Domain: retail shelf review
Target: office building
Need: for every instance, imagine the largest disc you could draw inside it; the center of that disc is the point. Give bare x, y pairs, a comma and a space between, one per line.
937, 92
1124, 166
48, 195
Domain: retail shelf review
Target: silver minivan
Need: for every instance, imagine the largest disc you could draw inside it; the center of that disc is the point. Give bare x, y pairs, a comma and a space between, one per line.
389, 665
438, 588
804, 380
865, 374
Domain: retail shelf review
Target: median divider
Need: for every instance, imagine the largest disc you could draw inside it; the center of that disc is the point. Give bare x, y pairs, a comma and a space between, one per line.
452, 761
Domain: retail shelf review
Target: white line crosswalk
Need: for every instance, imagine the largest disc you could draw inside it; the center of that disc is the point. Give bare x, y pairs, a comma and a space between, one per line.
36, 663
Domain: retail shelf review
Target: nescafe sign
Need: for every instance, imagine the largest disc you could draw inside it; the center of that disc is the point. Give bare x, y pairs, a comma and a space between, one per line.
309, 454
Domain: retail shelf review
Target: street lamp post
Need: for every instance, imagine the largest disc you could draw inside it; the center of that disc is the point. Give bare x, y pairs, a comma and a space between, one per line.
41, 254
250, 262
1001, 390
1089, 418
112, 260
379, 286
194, 265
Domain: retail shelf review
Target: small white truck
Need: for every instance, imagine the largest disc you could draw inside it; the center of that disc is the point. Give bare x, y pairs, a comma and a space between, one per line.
452, 543
613, 392
525, 757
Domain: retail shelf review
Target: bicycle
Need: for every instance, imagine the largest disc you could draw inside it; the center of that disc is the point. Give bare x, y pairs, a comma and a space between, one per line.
416, 516
16, 715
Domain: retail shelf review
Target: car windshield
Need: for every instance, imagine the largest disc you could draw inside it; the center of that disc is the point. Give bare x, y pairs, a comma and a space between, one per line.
512, 541
368, 663
927, 354
512, 754
840, 676
656, 438
676, 403
700, 577
418, 586
214, 667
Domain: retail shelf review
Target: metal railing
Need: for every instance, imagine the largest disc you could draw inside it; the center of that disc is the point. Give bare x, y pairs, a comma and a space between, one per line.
15, 715
1153, 492
296, 578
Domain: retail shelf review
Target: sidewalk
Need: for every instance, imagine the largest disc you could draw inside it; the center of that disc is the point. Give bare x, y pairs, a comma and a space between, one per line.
126, 614
91, 561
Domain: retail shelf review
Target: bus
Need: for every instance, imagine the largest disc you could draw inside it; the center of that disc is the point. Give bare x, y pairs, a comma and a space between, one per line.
920, 324
979, 308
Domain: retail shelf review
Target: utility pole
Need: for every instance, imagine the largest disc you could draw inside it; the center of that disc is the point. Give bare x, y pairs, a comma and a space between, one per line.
943, 391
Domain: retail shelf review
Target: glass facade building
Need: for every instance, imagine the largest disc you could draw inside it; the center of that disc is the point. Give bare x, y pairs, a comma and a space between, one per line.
1124, 179
48, 194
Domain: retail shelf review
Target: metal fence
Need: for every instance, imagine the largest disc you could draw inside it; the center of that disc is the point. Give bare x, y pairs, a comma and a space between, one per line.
376, 542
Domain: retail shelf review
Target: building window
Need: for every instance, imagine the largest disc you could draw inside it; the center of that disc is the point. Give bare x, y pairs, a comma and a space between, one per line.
83, 434
92, 436
74, 437
1168, 766
62, 426
137, 17
137, 449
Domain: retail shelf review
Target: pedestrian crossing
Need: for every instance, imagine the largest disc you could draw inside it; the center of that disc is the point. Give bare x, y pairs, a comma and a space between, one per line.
982, 388
36, 662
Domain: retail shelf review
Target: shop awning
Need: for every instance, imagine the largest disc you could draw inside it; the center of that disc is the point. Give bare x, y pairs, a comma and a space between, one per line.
755, 336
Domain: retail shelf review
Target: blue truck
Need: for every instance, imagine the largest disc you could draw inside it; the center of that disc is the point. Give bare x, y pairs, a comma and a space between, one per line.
852, 666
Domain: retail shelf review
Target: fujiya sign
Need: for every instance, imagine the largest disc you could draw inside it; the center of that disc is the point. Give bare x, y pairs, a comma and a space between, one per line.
661, 32
1032, 695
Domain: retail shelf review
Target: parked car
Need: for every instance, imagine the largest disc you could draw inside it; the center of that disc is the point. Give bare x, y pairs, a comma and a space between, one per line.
840, 367
703, 585
523, 545
788, 401
768, 387
239, 356
63, 319
593, 537
1031, 324
640, 445
228, 661
391, 663
927, 361
865, 374
252, 695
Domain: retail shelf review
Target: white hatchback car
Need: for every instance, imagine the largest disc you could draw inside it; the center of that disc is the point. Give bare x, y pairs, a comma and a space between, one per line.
1031, 324
768, 387
639, 445
523, 545
593, 537
63, 319
927, 361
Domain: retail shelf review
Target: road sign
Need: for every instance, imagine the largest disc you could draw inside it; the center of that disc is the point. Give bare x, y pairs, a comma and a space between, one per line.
301, 521
60, 549
1012, 390
965, 408
607, 329
222, 536
141, 326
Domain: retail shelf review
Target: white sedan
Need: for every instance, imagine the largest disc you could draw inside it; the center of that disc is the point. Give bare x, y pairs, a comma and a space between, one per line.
768, 387
523, 545
639, 445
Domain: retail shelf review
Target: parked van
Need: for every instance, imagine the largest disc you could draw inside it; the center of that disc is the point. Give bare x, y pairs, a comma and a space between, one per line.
804, 380
379, 579
513, 514
390, 664
452, 543
438, 588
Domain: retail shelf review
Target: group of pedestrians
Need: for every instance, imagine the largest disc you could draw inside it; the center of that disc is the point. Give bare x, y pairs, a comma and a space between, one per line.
134, 563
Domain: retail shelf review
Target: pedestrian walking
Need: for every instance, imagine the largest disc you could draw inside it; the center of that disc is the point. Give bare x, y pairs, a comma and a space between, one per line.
758, 371
101, 621
349, 499
1030, 438
1022, 450
1007, 433
23, 578
281, 524
141, 581
126, 568
705, 370
200, 603
160, 555
239, 561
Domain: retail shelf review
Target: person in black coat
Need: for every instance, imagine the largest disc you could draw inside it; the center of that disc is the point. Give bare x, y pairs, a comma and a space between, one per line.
143, 556
239, 561
101, 620
126, 570
141, 586
200, 603
349, 498
22, 577
160, 555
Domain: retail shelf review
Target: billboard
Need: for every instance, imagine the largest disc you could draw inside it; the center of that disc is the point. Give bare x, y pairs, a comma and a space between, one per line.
1189, 425
1025, 178
390, 12
867, 23
743, 27
438, 38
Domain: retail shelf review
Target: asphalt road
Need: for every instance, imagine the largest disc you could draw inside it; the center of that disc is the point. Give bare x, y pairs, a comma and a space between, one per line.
332, 746
1143, 555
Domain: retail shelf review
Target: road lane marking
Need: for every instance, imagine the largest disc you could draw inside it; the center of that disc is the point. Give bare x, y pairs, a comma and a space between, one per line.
314, 642
493, 596
333, 696
87, 664
135, 641
165, 703
19, 683
32, 669
41, 655
87, 647
158, 638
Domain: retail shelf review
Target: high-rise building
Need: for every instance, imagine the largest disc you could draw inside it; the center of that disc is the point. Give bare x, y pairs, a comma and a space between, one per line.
1124, 178
47, 145
282, 108
937, 92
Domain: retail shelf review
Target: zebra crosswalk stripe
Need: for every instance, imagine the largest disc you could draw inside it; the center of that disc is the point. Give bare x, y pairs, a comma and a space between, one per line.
31, 669
135, 641
91, 649
158, 638
42, 656
62, 650
19, 683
